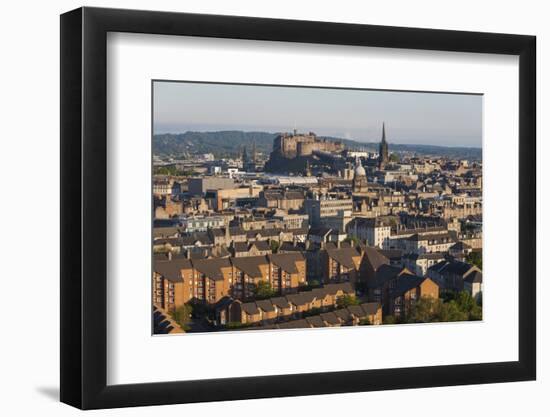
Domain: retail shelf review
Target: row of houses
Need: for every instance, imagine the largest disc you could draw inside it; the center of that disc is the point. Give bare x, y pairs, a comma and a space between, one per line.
179, 280
283, 308
366, 313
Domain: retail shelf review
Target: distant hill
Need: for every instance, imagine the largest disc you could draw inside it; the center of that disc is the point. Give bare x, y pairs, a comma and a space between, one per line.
229, 143
221, 144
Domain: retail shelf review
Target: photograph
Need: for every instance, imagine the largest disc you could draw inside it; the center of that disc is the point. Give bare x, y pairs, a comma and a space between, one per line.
300, 207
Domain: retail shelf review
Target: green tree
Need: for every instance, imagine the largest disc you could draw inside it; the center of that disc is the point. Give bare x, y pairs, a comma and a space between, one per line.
394, 157
352, 239
346, 301
182, 315
263, 290
274, 246
475, 258
450, 311
424, 310
389, 320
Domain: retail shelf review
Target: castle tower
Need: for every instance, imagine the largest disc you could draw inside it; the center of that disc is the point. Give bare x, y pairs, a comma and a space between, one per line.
383, 156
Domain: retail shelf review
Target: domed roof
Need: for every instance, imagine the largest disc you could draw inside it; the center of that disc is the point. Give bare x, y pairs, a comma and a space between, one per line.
359, 170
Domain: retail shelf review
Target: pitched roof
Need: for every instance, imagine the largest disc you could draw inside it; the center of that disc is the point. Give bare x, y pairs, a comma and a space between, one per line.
330, 318
265, 305
357, 311
287, 261
474, 276
316, 321
250, 308
343, 314
394, 254
250, 265
171, 269
375, 258
405, 283
262, 245
431, 255
211, 267
344, 256
370, 308
280, 302
291, 247
320, 231
297, 299
460, 246
384, 274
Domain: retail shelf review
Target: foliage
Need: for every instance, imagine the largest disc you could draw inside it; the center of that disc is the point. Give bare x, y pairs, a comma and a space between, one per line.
182, 315
310, 285
352, 239
461, 307
346, 301
172, 171
389, 320
274, 246
394, 157
263, 290
365, 322
229, 143
475, 258
314, 283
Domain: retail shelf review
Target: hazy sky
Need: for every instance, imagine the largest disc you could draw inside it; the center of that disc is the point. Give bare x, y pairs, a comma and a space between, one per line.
419, 118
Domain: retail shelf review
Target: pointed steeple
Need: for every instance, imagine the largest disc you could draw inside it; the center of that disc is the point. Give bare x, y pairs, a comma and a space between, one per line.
383, 132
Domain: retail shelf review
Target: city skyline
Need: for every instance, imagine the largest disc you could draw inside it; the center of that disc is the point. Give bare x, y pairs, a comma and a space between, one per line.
411, 118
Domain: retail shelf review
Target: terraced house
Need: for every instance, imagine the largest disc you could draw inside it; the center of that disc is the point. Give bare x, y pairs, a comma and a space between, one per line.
178, 281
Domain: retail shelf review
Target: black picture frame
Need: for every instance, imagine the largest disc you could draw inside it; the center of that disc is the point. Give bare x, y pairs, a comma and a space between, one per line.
84, 207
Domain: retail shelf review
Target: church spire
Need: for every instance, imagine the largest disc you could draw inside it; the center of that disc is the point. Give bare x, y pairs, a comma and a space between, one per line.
383, 156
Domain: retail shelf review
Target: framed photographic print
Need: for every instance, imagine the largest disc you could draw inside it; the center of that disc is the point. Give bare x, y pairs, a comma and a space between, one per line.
257, 208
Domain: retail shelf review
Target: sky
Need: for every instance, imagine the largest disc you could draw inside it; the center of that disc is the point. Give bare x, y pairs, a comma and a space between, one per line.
410, 117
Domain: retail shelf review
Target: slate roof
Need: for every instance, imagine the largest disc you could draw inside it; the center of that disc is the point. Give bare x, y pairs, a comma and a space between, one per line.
357, 311
474, 277
392, 254
211, 267
250, 308
250, 265
265, 305
344, 256
343, 314
384, 274
171, 270
460, 246
291, 247
280, 302
405, 283
315, 321
330, 318
375, 258
432, 255
370, 308
319, 231
287, 261
297, 299
437, 237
